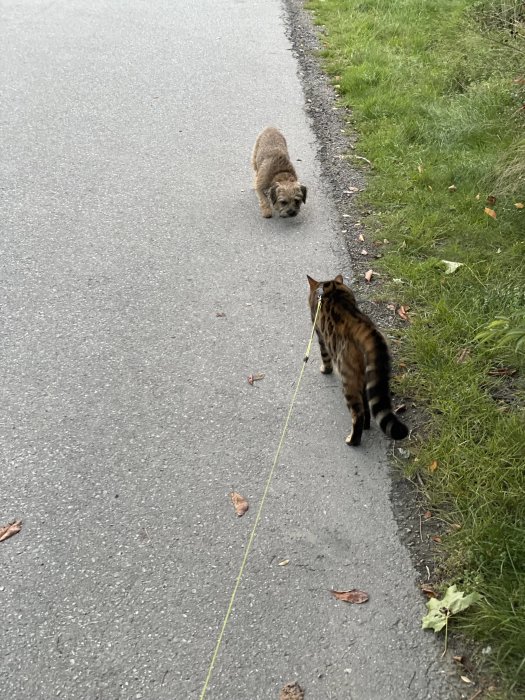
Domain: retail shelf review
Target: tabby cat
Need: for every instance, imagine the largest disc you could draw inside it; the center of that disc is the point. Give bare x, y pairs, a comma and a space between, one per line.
349, 340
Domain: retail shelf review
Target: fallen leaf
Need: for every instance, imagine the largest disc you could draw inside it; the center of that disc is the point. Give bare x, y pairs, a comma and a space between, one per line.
458, 659
284, 562
352, 596
519, 205
491, 200
291, 691
351, 190
463, 355
466, 680
452, 188
502, 372
239, 503
361, 238
255, 377
401, 408
364, 252
420, 169
436, 538
478, 196
490, 212
220, 314
432, 467
451, 266
455, 526
368, 275
402, 312
439, 611
7, 531
385, 240
427, 589
426, 515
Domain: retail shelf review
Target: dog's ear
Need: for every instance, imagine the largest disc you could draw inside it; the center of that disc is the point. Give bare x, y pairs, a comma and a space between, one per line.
273, 194
304, 190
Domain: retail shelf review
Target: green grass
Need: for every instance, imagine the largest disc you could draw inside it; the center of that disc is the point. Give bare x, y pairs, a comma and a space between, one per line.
437, 100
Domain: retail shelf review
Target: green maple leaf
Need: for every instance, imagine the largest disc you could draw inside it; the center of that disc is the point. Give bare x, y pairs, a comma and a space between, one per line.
440, 610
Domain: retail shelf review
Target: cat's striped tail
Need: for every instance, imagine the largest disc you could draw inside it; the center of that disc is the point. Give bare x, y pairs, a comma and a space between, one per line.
377, 384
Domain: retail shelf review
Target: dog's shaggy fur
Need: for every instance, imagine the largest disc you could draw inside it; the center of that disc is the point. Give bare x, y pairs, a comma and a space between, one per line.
276, 181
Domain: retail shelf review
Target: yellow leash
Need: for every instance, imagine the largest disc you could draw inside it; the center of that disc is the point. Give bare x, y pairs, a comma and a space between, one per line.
259, 511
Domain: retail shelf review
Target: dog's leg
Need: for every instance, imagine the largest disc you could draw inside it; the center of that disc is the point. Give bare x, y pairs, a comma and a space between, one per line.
264, 204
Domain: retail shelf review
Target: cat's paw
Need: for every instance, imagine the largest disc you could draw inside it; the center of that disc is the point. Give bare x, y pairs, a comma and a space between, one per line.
353, 440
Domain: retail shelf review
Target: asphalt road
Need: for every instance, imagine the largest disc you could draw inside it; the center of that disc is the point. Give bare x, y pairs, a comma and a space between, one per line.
126, 416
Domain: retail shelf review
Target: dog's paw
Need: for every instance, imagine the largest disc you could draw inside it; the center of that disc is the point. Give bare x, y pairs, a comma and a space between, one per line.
267, 213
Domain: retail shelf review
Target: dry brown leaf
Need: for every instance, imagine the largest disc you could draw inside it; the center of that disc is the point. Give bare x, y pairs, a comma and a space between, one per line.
436, 538
490, 212
491, 200
519, 205
432, 467
466, 680
256, 377
463, 355
352, 596
291, 691
458, 659
284, 562
368, 275
402, 312
427, 589
361, 238
426, 515
239, 503
351, 190
502, 372
7, 531
452, 188
364, 252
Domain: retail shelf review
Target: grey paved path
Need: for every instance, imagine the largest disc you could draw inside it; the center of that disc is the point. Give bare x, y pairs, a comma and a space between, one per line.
128, 224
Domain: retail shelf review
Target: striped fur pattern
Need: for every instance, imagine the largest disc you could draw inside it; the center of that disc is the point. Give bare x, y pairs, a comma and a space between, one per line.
349, 340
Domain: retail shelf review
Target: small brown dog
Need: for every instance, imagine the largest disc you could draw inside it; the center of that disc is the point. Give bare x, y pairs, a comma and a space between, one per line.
276, 182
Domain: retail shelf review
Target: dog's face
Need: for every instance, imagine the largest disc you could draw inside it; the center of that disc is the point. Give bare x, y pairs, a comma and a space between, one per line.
287, 197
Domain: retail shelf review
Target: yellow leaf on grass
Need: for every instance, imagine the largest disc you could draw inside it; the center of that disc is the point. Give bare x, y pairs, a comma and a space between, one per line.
490, 212
519, 205
432, 467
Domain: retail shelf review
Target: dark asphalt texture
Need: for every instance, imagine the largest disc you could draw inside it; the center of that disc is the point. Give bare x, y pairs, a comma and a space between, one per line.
128, 223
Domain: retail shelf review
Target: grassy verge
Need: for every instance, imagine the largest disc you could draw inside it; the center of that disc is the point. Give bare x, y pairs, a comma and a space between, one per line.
437, 95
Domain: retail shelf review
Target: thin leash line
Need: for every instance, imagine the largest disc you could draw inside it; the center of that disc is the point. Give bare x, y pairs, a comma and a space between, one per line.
259, 510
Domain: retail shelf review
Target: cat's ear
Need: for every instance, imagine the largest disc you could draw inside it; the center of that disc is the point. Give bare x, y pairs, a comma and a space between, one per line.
273, 194
339, 279
304, 191
313, 284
